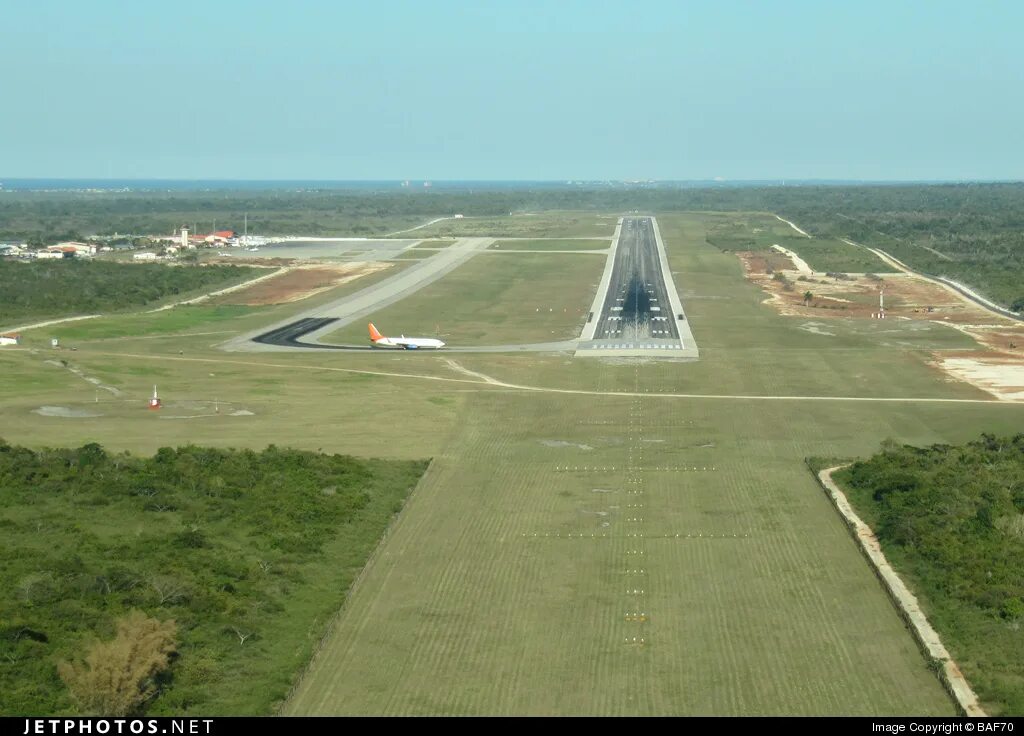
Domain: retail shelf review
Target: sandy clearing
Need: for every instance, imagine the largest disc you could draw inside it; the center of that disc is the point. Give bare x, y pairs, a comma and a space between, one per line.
563, 443
218, 292
815, 328
802, 232
962, 291
419, 227
800, 263
907, 295
300, 282
65, 412
1000, 376
47, 323
998, 371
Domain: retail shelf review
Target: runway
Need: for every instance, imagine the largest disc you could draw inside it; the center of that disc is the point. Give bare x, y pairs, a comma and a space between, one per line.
639, 312
288, 336
636, 311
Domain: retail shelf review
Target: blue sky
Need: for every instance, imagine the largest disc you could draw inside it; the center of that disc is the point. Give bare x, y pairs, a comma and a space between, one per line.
562, 89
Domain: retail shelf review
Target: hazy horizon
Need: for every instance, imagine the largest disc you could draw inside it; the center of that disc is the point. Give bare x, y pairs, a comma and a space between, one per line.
515, 91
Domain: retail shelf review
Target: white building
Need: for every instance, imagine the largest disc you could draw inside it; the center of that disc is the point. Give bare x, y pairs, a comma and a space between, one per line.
81, 249
10, 339
144, 256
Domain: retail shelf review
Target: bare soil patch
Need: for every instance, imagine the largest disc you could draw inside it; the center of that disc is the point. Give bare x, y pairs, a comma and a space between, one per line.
563, 443
997, 368
1000, 375
856, 295
300, 282
65, 412
260, 262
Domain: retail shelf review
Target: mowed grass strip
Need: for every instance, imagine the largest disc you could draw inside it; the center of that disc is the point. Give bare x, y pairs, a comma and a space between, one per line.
537, 225
224, 404
178, 319
510, 587
495, 300
552, 244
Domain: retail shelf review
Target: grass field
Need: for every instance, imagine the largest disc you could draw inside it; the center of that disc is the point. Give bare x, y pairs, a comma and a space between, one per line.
486, 617
179, 319
551, 244
762, 605
496, 300
539, 225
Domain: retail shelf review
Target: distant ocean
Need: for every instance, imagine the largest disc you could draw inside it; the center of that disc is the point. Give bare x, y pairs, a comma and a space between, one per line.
199, 185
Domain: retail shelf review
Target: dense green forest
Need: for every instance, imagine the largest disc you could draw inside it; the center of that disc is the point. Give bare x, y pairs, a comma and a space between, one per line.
76, 286
228, 563
973, 233
951, 521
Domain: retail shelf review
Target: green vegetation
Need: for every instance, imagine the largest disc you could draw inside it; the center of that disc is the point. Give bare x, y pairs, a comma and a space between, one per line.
795, 592
249, 552
968, 232
479, 601
553, 244
413, 254
167, 321
951, 520
547, 224
64, 287
118, 677
496, 299
758, 232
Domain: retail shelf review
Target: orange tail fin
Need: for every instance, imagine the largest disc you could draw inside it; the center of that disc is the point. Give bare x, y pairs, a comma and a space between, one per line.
374, 334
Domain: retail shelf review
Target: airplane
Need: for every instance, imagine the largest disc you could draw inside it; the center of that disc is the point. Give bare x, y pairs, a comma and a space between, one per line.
409, 343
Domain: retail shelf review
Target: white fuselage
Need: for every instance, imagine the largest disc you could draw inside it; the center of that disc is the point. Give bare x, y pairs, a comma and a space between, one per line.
408, 343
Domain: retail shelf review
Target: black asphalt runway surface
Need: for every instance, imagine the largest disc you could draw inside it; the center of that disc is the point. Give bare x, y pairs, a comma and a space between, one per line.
637, 305
288, 336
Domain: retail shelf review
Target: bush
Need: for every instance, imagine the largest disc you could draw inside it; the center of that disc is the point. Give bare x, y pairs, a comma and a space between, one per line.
117, 677
74, 286
950, 519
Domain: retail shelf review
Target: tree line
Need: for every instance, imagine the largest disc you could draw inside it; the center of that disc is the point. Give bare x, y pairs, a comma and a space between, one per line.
972, 232
78, 286
200, 575
951, 520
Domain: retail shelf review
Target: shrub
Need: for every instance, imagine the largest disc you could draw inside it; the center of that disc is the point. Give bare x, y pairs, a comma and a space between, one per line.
117, 676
